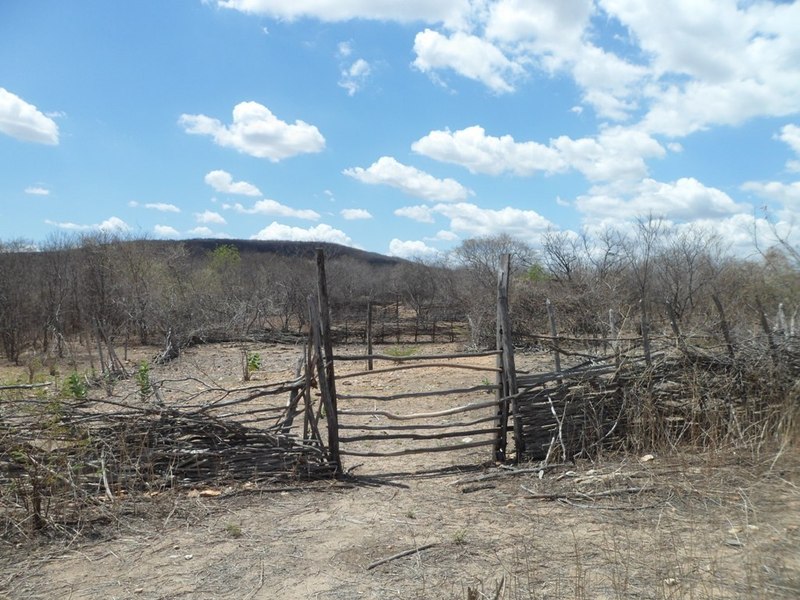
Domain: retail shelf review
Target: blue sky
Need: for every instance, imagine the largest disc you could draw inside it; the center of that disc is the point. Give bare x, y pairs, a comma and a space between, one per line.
397, 126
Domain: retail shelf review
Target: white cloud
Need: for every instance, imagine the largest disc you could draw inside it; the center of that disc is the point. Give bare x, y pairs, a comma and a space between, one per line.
23, 121
467, 55
37, 190
163, 207
446, 11
355, 76
790, 134
209, 216
387, 171
615, 153
223, 182
786, 193
257, 132
446, 236
686, 200
165, 231
733, 60
411, 249
473, 221
110, 225
480, 153
318, 233
274, 208
422, 214
202, 232
355, 214
344, 49
550, 28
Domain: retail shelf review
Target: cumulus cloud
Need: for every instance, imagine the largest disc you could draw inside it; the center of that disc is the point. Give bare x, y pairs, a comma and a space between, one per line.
37, 190
165, 231
388, 171
25, 122
450, 12
411, 249
210, 217
445, 236
223, 182
421, 214
355, 214
467, 55
474, 221
162, 207
318, 233
481, 153
274, 208
207, 232
790, 134
686, 199
615, 153
354, 77
110, 225
734, 60
257, 132
786, 193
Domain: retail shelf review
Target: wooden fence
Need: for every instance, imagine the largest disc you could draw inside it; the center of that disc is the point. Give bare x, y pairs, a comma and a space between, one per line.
350, 431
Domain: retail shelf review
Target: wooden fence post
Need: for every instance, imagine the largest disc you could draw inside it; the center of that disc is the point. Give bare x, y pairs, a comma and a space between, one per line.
369, 335
551, 315
507, 377
612, 334
331, 415
645, 333
327, 359
723, 323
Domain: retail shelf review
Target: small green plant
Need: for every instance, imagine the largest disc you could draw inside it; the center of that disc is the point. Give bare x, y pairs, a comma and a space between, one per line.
75, 386
253, 361
401, 351
143, 380
460, 537
233, 530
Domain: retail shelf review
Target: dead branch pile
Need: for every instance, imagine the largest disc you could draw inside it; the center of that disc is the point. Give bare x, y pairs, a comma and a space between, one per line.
693, 396
58, 457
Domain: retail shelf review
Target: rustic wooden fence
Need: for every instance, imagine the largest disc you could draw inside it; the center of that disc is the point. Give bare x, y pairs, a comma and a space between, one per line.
350, 430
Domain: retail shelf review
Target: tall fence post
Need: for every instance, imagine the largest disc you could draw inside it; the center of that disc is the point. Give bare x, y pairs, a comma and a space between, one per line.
369, 335
612, 334
507, 375
327, 347
645, 333
551, 315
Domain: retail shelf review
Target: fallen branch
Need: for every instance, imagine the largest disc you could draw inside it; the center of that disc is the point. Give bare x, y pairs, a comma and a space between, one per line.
583, 495
508, 473
382, 561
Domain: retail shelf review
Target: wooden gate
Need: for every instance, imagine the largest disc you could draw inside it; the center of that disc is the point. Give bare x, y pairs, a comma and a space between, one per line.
365, 424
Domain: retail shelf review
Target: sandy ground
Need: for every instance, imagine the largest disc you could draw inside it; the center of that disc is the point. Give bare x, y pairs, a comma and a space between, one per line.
712, 525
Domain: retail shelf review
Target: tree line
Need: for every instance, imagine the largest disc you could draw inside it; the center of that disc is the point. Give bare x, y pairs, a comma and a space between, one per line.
100, 291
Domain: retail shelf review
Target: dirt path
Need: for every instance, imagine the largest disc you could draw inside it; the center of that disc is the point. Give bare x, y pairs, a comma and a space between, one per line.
709, 526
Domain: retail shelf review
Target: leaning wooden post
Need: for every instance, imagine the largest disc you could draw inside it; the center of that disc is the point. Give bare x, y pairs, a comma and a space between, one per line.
773, 349
646, 333
507, 377
551, 315
331, 416
327, 344
369, 335
723, 323
612, 334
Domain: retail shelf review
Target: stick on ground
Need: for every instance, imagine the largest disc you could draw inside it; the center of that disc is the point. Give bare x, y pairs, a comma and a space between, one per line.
382, 561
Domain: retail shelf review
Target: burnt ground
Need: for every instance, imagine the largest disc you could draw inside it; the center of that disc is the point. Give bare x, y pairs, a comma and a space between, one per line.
721, 524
